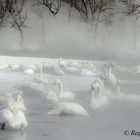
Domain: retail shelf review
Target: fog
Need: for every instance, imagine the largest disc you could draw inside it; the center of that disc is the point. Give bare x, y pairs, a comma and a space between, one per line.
49, 36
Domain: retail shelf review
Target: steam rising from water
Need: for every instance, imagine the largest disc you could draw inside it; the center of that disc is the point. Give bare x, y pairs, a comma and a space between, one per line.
61, 37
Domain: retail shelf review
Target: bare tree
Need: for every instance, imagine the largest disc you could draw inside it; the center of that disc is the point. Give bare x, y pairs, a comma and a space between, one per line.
132, 7
90, 10
52, 5
132, 10
11, 14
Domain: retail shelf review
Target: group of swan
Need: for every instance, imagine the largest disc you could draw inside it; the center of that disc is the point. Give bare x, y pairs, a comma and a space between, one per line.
64, 107
98, 99
104, 87
12, 114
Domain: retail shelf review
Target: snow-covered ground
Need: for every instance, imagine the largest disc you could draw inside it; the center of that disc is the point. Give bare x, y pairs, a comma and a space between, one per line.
109, 122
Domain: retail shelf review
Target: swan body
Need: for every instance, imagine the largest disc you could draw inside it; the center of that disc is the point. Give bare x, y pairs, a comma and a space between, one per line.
62, 93
67, 108
38, 84
72, 70
40, 80
57, 70
12, 118
62, 63
87, 72
99, 101
3, 66
28, 72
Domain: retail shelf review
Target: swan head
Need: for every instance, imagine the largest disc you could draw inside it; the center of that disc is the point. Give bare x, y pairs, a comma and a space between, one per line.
11, 109
95, 84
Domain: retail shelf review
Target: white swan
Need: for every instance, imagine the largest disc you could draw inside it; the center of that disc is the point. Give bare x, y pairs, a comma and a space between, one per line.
87, 72
62, 93
12, 118
39, 83
111, 82
62, 63
98, 98
68, 108
28, 72
57, 70
41, 79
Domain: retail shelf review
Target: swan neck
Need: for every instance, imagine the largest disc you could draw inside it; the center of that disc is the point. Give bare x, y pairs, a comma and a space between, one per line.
110, 70
41, 72
60, 87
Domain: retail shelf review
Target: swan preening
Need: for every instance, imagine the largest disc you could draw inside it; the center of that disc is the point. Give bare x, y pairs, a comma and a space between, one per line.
12, 114
8, 98
12, 118
18, 103
62, 93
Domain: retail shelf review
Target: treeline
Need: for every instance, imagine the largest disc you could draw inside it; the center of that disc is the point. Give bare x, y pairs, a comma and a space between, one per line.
13, 13
91, 11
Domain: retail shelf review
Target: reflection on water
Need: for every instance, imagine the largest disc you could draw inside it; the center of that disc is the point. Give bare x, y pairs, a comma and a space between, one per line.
12, 135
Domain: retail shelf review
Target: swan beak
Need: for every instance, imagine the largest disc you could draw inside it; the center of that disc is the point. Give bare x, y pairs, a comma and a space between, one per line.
11, 109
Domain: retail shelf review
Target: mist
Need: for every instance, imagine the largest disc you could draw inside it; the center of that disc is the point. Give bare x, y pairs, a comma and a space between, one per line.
60, 36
